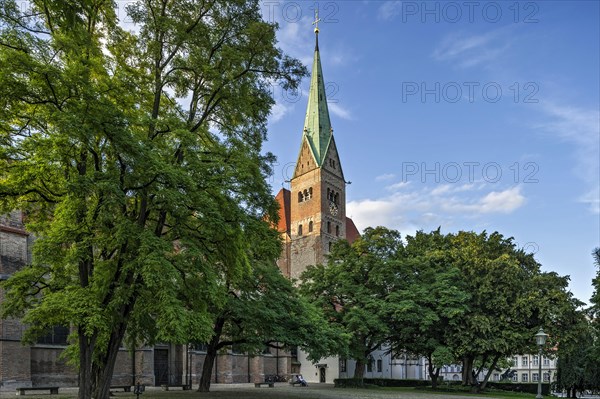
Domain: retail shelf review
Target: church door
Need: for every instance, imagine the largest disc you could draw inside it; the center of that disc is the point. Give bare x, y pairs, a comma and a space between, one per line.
161, 367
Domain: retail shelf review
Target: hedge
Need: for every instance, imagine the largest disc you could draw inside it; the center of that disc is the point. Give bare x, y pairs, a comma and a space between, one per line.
519, 387
387, 382
380, 382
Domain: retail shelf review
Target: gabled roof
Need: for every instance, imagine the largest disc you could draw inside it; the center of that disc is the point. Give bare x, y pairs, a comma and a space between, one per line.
317, 125
283, 199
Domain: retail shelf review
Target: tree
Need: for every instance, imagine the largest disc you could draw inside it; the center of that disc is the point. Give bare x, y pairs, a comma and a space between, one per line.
431, 299
136, 157
353, 290
265, 310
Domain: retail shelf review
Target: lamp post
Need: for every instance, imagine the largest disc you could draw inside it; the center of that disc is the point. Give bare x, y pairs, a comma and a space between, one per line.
540, 339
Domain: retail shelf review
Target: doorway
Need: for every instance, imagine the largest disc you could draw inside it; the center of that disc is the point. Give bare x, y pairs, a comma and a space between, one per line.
322, 375
161, 367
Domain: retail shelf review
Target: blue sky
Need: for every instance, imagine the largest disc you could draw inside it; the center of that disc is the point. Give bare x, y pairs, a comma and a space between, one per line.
465, 115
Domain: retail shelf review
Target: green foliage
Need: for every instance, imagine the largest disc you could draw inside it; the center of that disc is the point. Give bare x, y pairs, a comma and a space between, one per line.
354, 288
137, 159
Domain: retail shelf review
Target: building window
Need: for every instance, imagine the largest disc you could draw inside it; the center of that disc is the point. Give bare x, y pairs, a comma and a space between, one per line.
200, 347
546, 377
546, 361
496, 377
310, 192
299, 229
343, 365
57, 336
329, 227
310, 226
379, 365
524, 361
336, 198
535, 360
534, 377
329, 246
370, 365
300, 196
524, 377
515, 361
515, 377
337, 230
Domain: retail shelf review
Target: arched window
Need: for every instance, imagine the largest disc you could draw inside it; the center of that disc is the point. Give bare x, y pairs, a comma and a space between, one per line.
337, 230
310, 226
329, 227
306, 195
337, 198
300, 197
310, 192
299, 229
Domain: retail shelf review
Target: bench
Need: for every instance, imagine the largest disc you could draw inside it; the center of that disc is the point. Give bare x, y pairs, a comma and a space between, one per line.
185, 387
53, 390
270, 384
125, 388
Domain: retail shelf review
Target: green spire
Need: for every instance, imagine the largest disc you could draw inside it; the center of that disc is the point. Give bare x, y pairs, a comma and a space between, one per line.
317, 126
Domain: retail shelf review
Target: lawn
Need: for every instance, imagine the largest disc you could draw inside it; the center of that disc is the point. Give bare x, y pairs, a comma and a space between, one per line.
284, 391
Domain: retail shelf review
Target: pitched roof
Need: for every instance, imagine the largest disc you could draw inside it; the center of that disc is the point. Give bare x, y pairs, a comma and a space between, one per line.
283, 199
351, 231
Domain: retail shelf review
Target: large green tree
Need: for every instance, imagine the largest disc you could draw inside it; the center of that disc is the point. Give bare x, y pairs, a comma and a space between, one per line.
432, 298
137, 159
353, 289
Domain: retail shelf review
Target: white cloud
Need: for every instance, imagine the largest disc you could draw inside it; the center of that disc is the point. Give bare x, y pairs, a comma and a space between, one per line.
472, 50
431, 207
339, 111
389, 10
581, 128
385, 176
397, 186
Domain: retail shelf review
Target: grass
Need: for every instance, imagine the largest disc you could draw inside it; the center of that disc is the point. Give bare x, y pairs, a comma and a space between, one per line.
283, 391
458, 390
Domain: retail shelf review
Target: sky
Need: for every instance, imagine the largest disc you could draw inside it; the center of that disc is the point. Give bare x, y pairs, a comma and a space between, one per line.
468, 115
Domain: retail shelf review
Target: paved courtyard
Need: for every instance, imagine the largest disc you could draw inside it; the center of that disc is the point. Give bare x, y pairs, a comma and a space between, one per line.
248, 391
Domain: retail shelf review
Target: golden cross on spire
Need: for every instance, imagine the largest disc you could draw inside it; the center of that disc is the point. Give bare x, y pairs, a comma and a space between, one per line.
317, 20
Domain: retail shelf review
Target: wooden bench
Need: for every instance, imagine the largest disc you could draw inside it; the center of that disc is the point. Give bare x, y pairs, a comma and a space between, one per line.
53, 390
125, 388
185, 387
270, 384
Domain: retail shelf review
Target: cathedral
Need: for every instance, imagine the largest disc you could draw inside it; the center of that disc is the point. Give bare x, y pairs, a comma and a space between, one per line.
312, 217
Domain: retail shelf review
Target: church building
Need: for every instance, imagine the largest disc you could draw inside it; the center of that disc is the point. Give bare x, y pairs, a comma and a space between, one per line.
313, 210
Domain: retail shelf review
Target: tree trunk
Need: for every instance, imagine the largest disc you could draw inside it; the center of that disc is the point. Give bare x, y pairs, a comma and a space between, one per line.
359, 370
434, 372
467, 378
489, 373
211, 355
86, 348
207, 368
103, 375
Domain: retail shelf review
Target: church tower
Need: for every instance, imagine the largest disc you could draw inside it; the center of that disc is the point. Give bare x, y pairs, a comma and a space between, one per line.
317, 188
